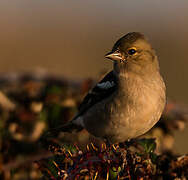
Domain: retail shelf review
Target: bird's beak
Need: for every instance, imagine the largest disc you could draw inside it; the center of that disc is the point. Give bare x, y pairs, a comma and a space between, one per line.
115, 56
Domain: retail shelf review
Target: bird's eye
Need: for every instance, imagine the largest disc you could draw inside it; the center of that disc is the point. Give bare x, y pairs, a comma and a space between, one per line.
131, 51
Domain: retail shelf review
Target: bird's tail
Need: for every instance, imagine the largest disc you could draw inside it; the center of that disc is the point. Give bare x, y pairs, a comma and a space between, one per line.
68, 127
52, 133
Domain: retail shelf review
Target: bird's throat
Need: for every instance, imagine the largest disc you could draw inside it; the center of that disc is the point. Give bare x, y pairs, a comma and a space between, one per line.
120, 67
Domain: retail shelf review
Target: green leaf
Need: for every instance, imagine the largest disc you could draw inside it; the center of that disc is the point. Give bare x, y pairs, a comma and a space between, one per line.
153, 157
54, 90
43, 116
149, 145
113, 172
54, 114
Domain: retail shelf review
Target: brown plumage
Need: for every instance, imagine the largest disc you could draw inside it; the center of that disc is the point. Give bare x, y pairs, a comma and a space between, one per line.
129, 100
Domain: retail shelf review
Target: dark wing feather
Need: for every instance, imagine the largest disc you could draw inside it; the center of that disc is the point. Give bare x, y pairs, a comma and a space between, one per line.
98, 93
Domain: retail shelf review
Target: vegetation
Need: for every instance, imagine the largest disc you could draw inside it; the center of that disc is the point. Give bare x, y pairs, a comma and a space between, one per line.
31, 104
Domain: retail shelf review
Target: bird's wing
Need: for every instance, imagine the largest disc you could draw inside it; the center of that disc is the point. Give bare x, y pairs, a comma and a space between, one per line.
100, 91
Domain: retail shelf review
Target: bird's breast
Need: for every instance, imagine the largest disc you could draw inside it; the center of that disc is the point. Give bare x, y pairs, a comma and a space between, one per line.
138, 105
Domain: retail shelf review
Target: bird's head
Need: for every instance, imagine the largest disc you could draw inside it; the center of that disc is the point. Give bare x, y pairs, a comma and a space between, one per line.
132, 52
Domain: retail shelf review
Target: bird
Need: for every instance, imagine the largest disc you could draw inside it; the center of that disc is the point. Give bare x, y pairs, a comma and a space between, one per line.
129, 100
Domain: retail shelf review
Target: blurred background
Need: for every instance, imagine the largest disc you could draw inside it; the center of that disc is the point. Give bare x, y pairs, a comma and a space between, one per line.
70, 38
